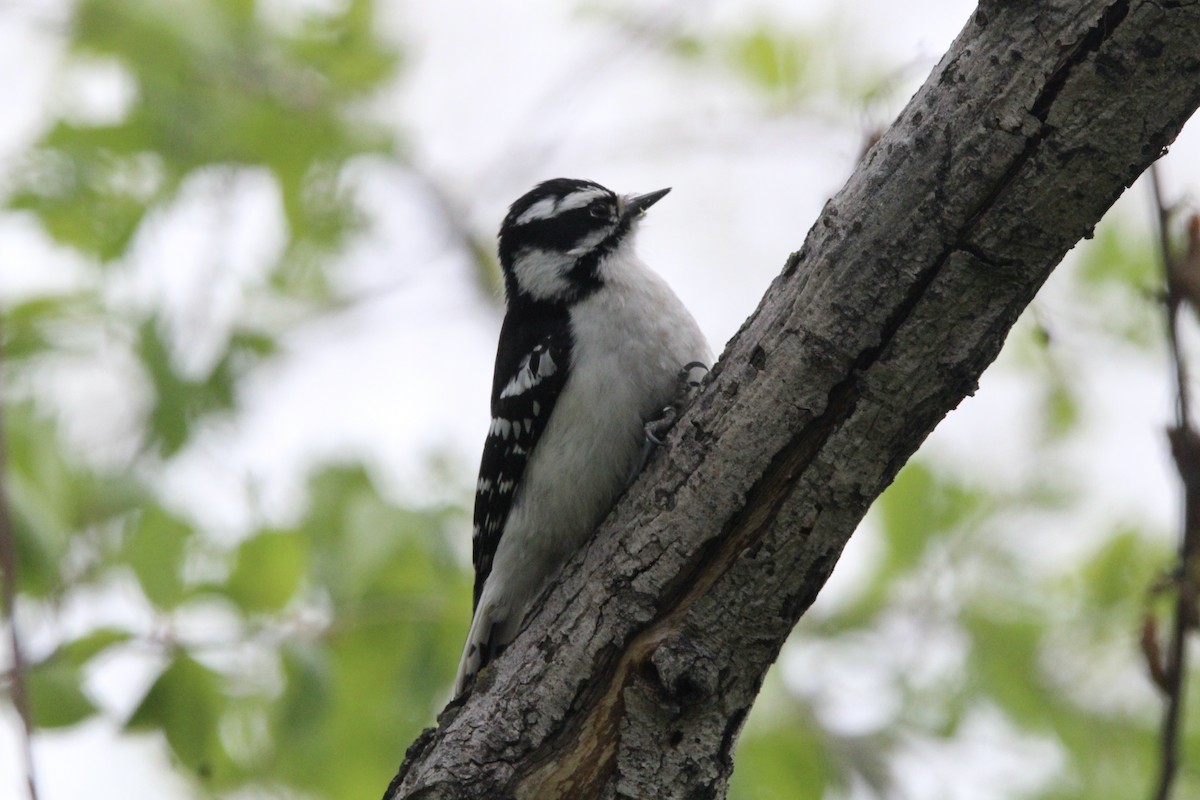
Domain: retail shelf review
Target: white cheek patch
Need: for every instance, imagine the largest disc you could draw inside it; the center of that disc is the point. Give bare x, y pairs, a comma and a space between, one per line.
542, 273
589, 242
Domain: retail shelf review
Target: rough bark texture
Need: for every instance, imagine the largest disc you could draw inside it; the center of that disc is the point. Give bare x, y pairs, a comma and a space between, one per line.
634, 677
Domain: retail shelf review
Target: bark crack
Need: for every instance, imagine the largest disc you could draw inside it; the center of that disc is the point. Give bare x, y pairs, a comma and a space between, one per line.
1088, 44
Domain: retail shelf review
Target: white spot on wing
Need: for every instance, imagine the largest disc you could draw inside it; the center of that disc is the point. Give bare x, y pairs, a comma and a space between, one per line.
501, 427
526, 378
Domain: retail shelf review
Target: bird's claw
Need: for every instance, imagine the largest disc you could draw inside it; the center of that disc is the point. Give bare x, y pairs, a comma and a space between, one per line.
689, 381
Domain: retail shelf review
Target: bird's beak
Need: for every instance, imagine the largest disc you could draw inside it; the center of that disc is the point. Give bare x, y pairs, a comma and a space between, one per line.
636, 205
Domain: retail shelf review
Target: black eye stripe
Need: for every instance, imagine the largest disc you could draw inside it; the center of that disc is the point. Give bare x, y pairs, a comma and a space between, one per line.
560, 232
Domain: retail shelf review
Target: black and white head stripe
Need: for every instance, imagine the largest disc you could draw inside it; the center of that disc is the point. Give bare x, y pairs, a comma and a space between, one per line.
554, 236
552, 205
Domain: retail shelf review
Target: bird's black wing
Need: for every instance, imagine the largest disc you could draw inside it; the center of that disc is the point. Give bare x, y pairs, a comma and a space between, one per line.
532, 363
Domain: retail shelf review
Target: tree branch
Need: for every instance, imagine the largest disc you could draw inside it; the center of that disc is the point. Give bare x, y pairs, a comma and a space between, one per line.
635, 674
8, 593
1181, 275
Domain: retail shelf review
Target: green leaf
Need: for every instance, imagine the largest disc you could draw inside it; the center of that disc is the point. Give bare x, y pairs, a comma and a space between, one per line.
56, 695
215, 86
1062, 408
1119, 270
1003, 666
53, 499
1117, 256
307, 698
920, 503
1110, 756
185, 704
28, 324
919, 508
169, 417
783, 753
400, 601
781, 764
775, 62
155, 548
268, 570
38, 556
82, 650
344, 49
1121, 571
85, 196
180, 401
253, 343
351, 556
687, 47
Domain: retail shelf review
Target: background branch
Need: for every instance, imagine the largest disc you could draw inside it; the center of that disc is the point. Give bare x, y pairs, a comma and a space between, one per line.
8, 582
1179, 274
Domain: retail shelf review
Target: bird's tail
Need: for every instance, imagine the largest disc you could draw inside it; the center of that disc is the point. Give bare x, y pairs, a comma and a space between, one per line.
489, 633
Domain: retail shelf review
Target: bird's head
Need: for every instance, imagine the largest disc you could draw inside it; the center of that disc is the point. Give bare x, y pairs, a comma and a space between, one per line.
556, 236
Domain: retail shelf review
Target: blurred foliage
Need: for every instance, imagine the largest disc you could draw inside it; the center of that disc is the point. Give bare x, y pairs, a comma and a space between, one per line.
213, 85
785, 754
791, 68
351, 616
776, 63
331, 638
1051, 652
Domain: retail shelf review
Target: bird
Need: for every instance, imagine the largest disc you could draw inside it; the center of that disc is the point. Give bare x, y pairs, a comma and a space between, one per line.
594, 355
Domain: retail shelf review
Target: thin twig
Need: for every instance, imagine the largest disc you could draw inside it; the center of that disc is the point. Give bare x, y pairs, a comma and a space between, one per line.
1173, 301
1185, 446
453, 214
8, 582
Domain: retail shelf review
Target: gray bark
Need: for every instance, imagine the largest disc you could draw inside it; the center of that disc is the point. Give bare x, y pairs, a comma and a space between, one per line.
634, 677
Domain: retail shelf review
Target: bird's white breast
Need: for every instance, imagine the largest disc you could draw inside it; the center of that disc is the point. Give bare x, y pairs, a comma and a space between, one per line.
631, 338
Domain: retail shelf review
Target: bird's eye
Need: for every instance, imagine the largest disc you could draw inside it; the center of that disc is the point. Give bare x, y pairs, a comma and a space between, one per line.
600, 211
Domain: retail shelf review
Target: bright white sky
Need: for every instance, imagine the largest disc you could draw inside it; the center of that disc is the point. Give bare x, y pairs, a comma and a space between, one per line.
496, 97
